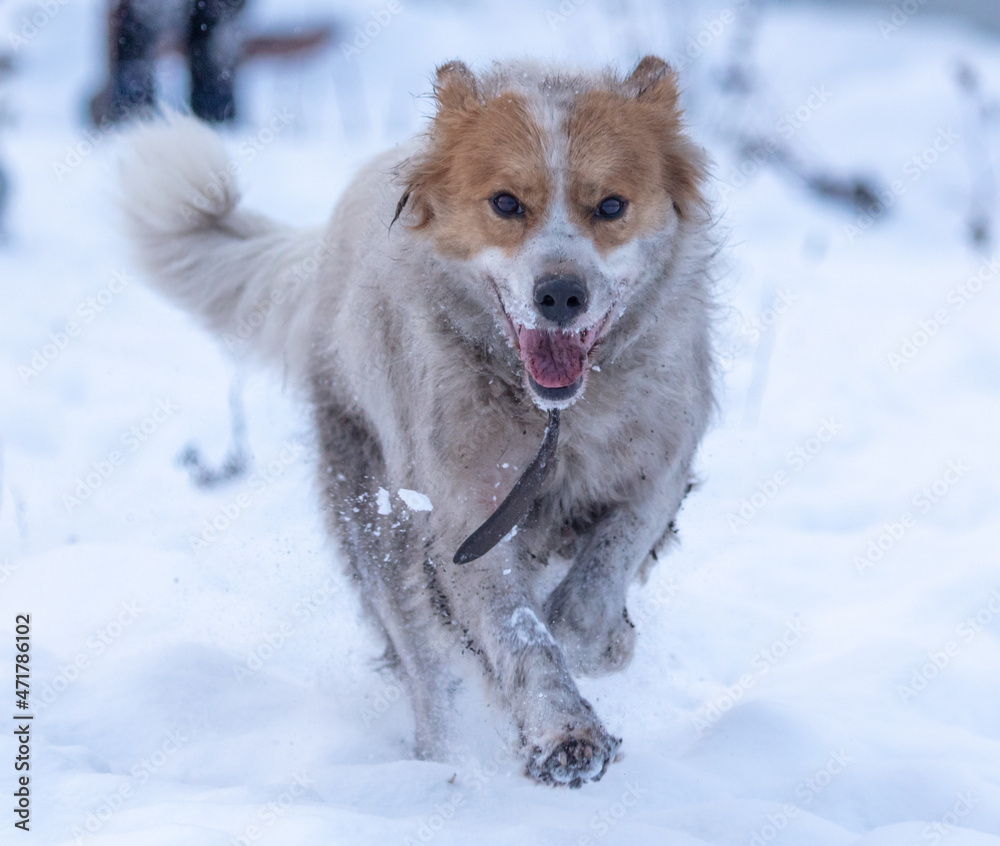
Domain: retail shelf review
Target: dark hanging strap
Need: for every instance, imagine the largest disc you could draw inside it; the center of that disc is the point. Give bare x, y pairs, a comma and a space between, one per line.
521, 497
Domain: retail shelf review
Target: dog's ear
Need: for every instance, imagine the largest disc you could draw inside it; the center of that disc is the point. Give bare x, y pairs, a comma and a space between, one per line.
653, 80
457, 93
455, 86
653, 87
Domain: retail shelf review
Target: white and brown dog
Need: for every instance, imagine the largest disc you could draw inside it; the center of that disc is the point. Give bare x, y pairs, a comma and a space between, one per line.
544, 249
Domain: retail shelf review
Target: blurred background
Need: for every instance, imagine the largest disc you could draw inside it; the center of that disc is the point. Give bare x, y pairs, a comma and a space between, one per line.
818, 662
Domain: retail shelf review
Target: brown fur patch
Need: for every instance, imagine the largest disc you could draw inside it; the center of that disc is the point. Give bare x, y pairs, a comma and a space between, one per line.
480, 147
625, 140
628, 142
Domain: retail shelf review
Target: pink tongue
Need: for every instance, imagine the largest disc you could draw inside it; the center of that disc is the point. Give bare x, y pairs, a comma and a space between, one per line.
553, 359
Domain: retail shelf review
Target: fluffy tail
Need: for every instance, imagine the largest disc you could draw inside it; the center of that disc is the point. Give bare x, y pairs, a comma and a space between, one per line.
245, 277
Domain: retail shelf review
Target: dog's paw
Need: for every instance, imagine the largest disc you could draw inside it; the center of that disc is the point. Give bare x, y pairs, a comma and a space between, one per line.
595, 640
577, 755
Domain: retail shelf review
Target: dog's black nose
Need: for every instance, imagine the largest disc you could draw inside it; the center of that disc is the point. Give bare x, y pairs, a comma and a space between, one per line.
560, 298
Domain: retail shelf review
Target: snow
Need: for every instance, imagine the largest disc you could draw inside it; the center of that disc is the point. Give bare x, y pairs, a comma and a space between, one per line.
415, 500
383, 502
528, 628
817, 664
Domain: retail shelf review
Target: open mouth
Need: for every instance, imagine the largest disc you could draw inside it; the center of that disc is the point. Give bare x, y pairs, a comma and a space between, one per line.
557, 361
556, 394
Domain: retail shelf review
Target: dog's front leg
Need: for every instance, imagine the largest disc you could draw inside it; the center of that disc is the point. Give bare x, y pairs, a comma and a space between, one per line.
586, 611
564, 741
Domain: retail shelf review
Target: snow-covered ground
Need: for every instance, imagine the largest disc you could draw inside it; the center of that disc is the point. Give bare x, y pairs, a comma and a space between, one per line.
818, 664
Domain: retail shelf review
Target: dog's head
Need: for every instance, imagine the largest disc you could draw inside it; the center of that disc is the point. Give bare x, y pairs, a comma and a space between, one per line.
561, 196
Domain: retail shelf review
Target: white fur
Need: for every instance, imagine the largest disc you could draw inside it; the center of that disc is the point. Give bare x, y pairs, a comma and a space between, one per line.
226, 265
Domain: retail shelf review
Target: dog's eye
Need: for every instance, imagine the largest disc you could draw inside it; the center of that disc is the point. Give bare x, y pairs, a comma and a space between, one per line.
611, 207
507, 205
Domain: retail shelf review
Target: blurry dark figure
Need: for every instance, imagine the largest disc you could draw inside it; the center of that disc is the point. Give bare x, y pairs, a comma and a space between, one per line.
6, 67
205, 31
208, 34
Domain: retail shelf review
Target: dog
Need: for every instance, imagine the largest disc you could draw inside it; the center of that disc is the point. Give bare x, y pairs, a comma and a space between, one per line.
540, 257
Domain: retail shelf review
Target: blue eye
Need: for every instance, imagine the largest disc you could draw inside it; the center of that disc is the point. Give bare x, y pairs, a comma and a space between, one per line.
507, 205
610, 208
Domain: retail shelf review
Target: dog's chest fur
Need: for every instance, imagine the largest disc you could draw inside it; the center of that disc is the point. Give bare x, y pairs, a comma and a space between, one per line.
452, 419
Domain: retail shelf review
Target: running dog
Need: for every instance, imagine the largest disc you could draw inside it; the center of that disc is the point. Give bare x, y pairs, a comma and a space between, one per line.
535, 268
